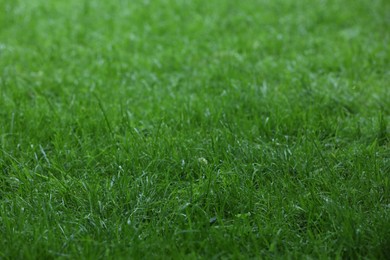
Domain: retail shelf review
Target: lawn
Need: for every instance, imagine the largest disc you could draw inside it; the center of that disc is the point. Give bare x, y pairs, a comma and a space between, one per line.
194, 129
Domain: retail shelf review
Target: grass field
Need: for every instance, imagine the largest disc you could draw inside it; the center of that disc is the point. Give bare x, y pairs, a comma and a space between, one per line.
194, 129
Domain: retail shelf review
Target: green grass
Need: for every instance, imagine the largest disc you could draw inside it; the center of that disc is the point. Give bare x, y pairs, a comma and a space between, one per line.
127, 126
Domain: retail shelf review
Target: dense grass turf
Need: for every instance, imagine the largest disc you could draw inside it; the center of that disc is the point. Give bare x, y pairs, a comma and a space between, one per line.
172, 128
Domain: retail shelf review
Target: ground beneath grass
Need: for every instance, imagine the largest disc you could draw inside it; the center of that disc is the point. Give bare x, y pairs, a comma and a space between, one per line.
194, 129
